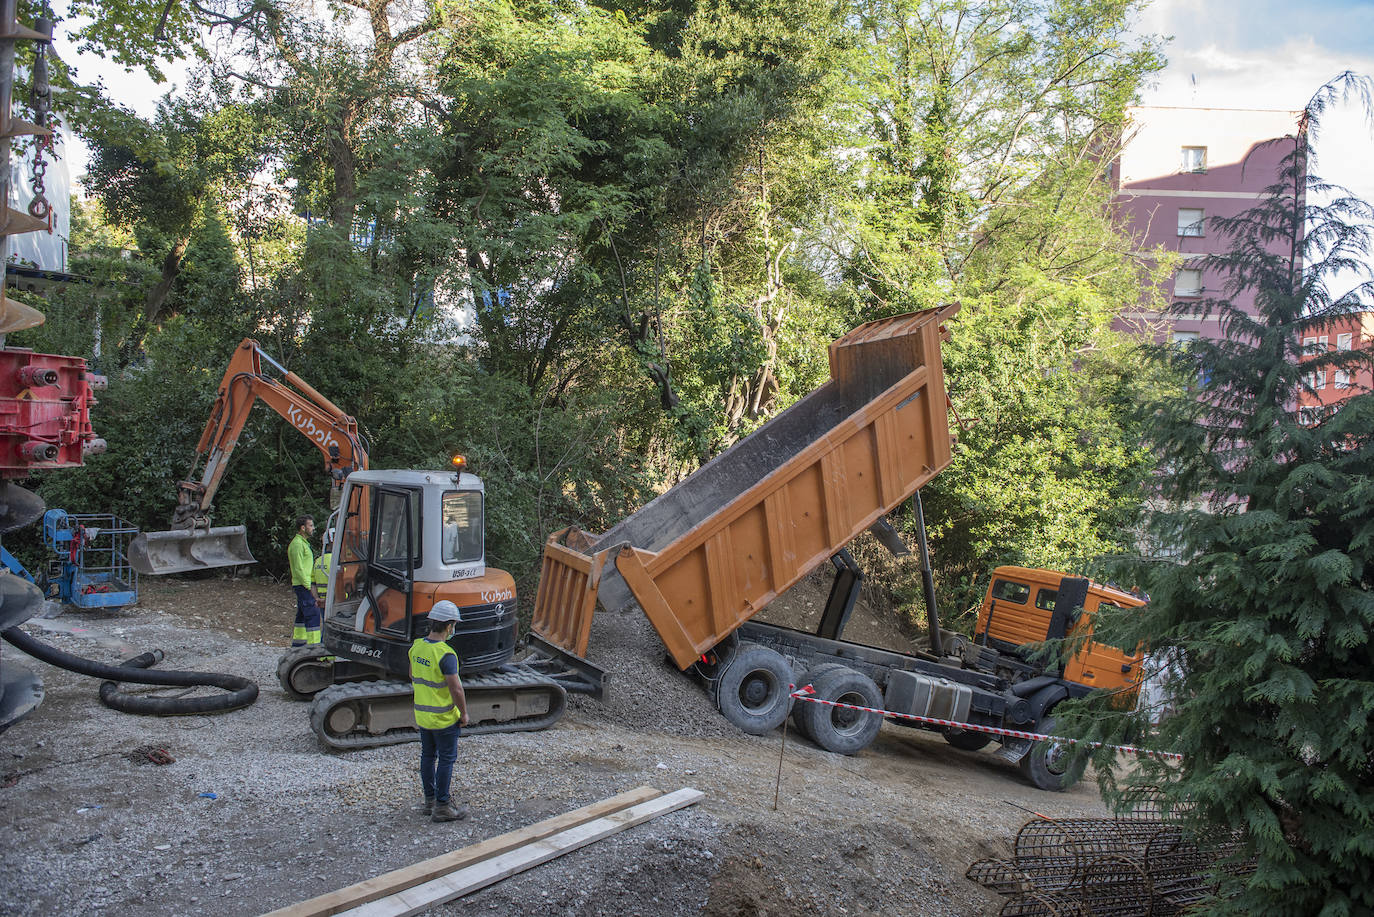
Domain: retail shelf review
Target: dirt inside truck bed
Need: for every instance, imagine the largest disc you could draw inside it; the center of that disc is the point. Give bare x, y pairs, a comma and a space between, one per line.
252, 814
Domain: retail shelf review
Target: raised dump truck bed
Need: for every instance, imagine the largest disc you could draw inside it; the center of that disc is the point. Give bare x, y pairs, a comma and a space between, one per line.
705, 557
708, 554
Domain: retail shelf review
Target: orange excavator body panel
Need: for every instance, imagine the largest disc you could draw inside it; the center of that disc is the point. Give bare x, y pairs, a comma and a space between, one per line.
476, 592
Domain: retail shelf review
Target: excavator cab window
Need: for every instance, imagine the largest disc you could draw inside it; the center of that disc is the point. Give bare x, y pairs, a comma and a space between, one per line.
398, 515
462, 539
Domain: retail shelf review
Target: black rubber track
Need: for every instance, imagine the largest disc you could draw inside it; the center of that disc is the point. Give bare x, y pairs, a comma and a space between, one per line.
242, 691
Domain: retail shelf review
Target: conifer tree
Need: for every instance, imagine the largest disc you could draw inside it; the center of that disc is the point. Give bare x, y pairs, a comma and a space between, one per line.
1261, 583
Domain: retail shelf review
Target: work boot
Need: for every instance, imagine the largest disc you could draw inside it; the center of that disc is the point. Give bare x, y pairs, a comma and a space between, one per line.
444, 811
427, 807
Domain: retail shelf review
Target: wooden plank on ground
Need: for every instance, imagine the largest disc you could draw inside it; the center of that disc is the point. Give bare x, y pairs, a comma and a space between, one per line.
479, 875
389, 883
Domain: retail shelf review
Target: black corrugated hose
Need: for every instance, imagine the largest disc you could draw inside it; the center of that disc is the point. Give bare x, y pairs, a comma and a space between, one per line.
242, 691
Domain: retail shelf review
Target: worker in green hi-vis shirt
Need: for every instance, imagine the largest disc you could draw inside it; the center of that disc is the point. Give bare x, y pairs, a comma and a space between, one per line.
302, 561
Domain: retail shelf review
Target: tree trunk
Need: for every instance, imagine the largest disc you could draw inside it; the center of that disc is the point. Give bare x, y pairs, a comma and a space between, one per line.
171, 267
343, 160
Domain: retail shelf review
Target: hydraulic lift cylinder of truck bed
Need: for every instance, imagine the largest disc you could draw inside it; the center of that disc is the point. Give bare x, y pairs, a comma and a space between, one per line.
927, 578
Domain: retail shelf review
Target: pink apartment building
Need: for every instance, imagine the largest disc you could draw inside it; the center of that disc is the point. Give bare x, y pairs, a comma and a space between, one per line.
1179, 168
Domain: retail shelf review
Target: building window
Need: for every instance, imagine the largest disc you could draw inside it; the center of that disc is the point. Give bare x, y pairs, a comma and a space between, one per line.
1343, 341
1188, 282
1194, 159
1183, 338
1308, 416
1313, 345
1190, 221
1316, 380
1342, 379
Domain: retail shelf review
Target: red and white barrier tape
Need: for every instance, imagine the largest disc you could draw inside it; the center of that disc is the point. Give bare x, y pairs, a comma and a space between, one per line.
807, 693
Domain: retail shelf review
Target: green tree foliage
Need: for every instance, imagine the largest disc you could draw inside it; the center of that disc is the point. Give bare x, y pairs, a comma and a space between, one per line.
140, 33
1261, 582
668, 209
634, 184
989, 129
162, 181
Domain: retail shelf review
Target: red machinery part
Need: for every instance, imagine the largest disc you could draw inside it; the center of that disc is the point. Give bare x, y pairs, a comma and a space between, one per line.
32, 375
45, 411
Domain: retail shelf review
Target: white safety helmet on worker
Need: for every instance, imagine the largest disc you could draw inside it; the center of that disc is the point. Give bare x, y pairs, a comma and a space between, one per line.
444, 610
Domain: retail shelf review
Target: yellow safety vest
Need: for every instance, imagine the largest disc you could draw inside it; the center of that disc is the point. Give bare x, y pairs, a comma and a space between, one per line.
319, 577
300, 558
434, 706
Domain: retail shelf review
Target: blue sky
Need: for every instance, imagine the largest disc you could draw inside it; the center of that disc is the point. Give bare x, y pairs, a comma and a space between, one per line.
1343, 27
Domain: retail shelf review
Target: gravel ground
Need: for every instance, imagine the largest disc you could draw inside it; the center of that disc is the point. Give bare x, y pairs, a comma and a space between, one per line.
91, 827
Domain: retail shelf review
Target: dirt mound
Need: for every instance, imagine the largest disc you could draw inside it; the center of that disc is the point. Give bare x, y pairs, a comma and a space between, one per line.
644, 689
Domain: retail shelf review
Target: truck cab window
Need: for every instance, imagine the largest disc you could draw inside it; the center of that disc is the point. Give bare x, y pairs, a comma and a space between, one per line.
462, 517
1045, 599
1010, 591
1107, 607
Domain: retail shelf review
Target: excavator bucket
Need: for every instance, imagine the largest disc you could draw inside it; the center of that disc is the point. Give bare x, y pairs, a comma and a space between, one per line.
158, 553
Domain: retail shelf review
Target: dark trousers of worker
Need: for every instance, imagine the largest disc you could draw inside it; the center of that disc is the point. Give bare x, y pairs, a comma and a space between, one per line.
438, 751
307, 628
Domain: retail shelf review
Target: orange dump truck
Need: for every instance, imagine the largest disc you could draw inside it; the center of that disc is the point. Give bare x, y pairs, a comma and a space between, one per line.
703, 558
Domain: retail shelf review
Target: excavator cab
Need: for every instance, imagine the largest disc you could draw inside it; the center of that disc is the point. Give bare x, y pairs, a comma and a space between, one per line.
405, 540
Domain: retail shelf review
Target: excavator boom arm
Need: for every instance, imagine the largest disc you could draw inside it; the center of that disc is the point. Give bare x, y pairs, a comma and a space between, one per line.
317, 418
192, 544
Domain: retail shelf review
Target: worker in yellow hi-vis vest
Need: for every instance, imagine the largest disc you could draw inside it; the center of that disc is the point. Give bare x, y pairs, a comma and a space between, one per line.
319, 577
302, 561
441, 710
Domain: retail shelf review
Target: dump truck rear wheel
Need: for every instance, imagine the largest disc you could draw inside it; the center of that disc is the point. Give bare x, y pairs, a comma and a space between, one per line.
752, 692
838, 729
799, 709
1051, 766
966, 739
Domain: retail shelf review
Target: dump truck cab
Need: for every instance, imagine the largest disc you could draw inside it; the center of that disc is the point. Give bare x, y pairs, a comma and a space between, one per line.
1026, 605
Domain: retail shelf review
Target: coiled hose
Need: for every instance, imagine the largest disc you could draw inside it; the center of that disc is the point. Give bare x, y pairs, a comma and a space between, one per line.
242, 691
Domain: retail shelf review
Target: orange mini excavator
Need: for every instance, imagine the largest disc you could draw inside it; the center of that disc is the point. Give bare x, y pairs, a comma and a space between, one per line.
402, 540
192, 544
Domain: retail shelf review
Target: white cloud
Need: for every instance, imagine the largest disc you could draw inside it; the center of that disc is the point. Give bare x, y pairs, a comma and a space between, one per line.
1242, 54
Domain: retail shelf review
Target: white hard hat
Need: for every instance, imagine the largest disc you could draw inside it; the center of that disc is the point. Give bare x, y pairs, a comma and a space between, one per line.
444, 611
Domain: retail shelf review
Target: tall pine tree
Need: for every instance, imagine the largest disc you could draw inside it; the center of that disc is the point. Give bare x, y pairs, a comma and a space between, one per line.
1261, 585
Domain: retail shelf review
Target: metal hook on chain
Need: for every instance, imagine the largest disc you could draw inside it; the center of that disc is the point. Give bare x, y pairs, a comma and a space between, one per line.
40, 208
40, 97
